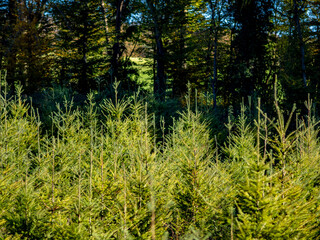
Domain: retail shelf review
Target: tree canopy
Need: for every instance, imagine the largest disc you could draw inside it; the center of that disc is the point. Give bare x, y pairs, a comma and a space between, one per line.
231, 49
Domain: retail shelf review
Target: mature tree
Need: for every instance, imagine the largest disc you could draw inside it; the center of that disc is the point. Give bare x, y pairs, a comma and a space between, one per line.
3, 13
121, 10
31, 37
189, 34
9, 17
252, 25
314, 45
298, 6
79, 48
25, 42
121, 29
295, 54
178, 47
217, 11
157, 12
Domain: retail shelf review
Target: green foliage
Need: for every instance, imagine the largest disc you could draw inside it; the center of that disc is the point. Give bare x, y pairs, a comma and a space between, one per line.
79, 50
195, 177
102, 173
270, 201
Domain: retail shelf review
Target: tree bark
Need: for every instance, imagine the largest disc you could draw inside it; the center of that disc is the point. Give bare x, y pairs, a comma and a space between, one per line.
83, 81
1, 59
106, 27
215, 68
11, 53
296, 16
121, 5
159, 85
104, 9
179, 75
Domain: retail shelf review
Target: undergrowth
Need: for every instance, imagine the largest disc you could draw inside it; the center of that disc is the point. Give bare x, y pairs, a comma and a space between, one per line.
112, 170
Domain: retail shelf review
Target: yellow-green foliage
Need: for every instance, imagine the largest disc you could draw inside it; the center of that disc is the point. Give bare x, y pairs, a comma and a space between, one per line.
102, 173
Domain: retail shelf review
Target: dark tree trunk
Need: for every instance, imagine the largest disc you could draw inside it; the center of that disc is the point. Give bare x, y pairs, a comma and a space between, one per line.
1, 59
27, 82
121, 5
11, 53
215, 68
106, 27
159, 85
230, 91
296, 16
83, 81
154, 67
179, 76
160, 80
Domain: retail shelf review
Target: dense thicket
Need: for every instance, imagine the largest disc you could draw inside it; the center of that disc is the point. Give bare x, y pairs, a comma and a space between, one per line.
99, 173
231, 49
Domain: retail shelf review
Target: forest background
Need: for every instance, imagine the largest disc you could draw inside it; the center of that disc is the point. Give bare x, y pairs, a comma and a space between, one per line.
159, 119
229, 49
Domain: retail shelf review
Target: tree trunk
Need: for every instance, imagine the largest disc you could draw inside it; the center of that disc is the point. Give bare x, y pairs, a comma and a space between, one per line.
104, 9
230, 91
296, 17
11, 54
159, 85
106, 27
215, 68
1, 58
116, 46
27, 82
179, 74
83, 81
